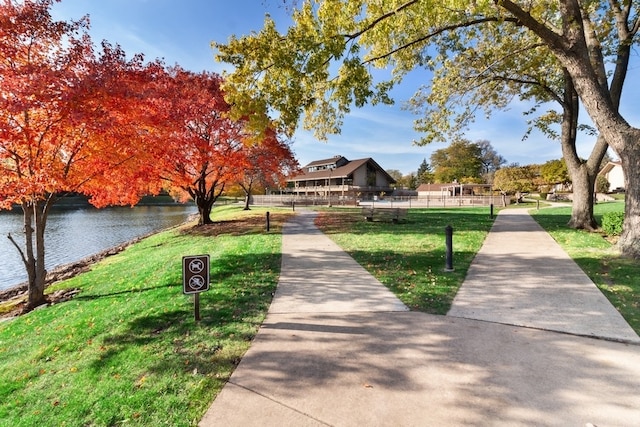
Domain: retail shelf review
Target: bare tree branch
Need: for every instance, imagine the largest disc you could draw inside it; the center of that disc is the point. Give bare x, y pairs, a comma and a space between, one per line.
24, 259
435, 33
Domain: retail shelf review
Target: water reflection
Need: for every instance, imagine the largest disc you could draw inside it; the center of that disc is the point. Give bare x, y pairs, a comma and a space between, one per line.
75, 234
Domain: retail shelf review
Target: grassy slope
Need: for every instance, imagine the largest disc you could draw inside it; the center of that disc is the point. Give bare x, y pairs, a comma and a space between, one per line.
127, 350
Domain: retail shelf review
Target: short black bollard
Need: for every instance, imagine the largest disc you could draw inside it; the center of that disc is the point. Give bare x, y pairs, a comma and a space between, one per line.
293, 206
491, 212
448, 231
268, 222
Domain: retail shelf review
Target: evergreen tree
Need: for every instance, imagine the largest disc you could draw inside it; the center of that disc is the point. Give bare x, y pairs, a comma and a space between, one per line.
424, 174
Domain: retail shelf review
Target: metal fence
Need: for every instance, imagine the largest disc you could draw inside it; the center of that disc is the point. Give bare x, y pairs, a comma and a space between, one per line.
405, 201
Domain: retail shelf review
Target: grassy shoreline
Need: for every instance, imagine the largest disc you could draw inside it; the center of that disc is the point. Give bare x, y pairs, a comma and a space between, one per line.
126, 350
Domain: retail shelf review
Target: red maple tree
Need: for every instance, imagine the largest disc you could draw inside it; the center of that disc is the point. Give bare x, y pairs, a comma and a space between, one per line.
70, 121
205, 146
266, 163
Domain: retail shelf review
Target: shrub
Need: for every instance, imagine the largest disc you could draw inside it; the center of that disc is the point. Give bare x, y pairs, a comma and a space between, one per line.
612, 223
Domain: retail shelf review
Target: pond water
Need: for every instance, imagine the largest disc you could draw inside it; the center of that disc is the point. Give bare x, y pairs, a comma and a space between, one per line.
73, 234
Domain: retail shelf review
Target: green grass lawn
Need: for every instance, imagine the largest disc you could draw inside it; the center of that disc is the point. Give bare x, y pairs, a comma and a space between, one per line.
616, 277
409, 257
126, 350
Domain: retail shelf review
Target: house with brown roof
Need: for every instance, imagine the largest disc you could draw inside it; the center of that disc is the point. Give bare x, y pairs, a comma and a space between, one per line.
338, 176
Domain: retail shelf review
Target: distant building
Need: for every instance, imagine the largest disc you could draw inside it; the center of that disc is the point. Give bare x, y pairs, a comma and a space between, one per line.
612, 171
427, 190
452, 189
337, 176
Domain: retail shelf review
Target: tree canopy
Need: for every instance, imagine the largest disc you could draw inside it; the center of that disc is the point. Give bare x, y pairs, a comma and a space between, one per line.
203, 146
555, 172
424, 174
66, 114
71, 120
266, 164
490, 159
514, 179
322, 66
459, 162
205, 151
75, 118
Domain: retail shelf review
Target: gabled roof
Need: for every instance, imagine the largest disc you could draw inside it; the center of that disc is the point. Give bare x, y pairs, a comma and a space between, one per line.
340, 172
608, 167
325, 162
377, 166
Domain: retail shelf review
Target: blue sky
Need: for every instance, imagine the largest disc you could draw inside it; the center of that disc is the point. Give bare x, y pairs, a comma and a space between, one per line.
181, 31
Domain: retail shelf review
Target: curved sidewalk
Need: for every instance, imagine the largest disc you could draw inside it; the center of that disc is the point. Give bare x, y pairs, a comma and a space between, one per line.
338, 349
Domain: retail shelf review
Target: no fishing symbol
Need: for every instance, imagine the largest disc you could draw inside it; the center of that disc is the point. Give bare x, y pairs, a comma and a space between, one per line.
195, 274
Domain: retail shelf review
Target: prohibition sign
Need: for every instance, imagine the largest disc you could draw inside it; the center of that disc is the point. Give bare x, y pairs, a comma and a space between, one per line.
196, 265
196, 282
195, 274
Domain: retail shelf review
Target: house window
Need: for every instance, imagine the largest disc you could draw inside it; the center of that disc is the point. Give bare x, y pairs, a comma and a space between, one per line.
371, 176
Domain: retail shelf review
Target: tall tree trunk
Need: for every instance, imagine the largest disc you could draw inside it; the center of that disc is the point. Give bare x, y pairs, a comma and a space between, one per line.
204, 210
33, 257
583, 173
581, 55
35, 215
36, 290
629, 243
247, 200
582, 207
29, 258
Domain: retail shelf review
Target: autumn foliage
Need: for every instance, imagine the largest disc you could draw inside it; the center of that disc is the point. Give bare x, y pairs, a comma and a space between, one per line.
67, 114
115, 129
75, 118
65, 122
266, 164
203, 146
208, 151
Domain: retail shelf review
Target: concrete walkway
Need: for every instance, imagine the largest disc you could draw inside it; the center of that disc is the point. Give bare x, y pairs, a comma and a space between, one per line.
521, 276
314, 273
338, 349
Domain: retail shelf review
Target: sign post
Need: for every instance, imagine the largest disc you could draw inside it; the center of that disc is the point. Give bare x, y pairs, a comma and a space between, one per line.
195, 278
